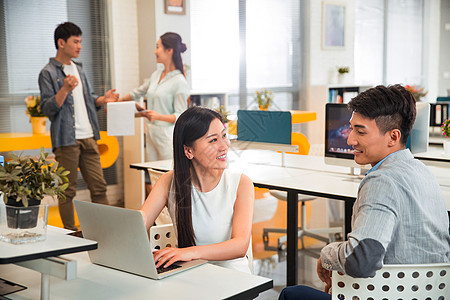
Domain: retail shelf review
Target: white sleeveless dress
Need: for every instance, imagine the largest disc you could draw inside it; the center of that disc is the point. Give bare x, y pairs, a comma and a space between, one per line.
212, 216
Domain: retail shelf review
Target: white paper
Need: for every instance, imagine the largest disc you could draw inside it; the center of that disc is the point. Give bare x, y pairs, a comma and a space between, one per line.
120, 118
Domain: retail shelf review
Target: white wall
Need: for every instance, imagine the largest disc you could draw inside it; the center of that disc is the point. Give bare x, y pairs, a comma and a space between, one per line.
125, 76
323, 65
431, 40
135, 26
180, 24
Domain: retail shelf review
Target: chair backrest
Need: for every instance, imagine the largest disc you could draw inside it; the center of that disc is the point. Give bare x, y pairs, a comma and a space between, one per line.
154, 175
425, 281
162, 236
164, 216
249, 256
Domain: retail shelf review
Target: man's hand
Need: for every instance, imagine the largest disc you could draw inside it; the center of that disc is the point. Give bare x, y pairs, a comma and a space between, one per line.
110, 96
70, 82
324, 275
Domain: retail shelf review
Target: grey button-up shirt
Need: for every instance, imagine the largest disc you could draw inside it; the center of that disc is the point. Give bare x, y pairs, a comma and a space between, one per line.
62, 128
399, 217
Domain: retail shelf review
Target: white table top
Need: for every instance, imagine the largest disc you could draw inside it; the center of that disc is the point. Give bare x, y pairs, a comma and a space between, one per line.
57, 243
307, 174
96, 282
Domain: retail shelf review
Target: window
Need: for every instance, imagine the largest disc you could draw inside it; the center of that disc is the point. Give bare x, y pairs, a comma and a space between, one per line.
242, 46
388, 41
26, 44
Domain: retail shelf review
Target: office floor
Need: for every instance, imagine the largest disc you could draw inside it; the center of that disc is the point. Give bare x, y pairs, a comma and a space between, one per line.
269, 212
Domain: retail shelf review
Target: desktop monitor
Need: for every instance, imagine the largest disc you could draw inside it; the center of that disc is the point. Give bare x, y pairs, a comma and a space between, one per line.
419, 136
337, 129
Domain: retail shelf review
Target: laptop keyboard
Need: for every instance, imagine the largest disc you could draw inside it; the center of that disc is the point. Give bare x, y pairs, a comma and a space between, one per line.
161, 269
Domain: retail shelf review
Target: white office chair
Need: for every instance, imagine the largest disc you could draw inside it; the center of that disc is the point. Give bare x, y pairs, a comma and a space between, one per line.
164, 216
162, 236
425, 281
316, 233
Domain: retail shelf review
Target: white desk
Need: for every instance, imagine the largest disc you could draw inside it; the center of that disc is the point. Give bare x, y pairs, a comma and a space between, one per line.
57, 243
303, 175
96, 282
307, 175
34, 256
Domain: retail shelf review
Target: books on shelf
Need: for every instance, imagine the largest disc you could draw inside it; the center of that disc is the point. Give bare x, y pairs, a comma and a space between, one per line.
343, 94
439, 113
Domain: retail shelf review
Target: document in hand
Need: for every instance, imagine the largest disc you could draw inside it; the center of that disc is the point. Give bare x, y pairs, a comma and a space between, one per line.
120, 118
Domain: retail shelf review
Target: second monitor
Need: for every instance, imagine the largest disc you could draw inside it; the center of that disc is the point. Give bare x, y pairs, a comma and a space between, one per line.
337, 130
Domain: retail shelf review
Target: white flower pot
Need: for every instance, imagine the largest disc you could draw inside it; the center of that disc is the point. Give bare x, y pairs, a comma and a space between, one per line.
19, 225
447, 147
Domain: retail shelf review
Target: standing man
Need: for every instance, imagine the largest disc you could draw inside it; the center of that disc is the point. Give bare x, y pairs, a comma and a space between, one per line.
69, 102
399, 216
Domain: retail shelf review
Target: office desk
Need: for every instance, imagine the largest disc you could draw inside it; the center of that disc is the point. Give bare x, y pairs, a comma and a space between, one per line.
96, 282
33, 256
56, 244
107, 145
306, 175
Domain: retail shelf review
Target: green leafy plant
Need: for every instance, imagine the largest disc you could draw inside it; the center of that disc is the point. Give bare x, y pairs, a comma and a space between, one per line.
446, 128
224, 113
33, 106
264, 98
417, 92
343, 70
26, 178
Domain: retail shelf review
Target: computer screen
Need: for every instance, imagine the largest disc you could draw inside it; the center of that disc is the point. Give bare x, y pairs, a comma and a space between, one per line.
337, 130
419, 136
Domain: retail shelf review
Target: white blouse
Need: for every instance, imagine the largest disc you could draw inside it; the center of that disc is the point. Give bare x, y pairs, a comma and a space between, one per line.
212, 215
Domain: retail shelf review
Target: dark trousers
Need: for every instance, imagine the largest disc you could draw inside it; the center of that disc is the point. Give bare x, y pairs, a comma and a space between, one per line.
85, 156
302, 292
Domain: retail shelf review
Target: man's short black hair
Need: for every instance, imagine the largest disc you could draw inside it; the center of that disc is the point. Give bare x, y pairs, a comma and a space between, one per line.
65, 31
392, 107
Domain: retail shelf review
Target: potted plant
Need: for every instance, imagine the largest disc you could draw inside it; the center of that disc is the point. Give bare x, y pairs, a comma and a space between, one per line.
417, 92
341, 73
37, 117
264, 99
24, 181
446, 133
224, 113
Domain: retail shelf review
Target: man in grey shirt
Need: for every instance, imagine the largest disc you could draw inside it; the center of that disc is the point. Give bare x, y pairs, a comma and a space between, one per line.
399, 216
69, 102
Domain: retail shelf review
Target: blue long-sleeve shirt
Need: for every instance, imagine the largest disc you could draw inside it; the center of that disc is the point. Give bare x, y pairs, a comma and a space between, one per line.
399, 217
62, 128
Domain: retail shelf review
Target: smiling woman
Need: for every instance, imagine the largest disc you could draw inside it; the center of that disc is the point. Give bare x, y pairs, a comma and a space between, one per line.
212, 207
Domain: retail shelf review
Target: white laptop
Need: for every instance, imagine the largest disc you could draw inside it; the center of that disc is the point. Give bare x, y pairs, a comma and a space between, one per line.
123, 241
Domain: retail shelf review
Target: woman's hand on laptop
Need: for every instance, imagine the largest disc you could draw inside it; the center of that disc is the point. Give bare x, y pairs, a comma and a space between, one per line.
169, 255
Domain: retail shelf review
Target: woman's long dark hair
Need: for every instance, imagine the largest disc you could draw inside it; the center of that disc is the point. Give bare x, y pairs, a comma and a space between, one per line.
190, 126
172, 40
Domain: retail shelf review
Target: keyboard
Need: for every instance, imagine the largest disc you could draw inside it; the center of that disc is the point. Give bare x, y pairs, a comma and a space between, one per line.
161, 269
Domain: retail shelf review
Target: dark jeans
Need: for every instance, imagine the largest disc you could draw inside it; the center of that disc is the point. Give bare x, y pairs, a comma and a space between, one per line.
83, 155
302, 292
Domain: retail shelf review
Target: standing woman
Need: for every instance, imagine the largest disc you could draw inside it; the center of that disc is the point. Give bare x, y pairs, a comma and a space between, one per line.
211, 206
167, 92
